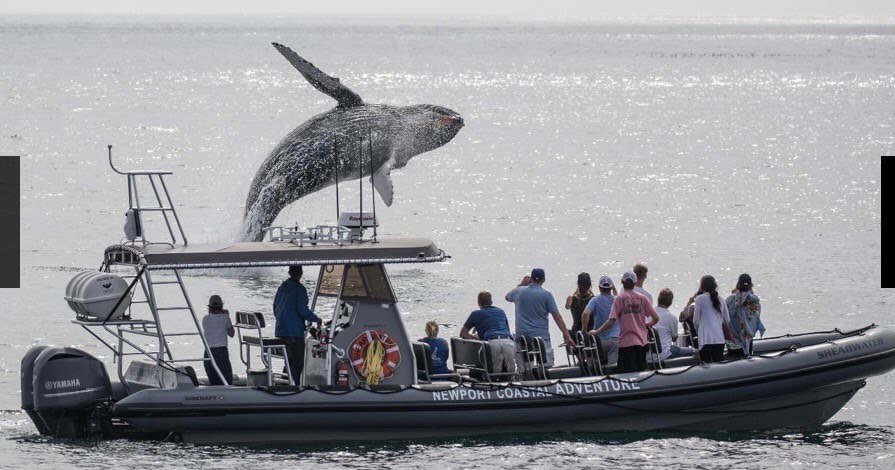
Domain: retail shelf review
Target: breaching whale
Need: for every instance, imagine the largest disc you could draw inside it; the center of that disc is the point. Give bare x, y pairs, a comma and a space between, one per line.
338, 140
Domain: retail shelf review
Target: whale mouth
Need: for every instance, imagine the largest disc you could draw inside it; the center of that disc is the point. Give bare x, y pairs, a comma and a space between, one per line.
443, 117
451, 120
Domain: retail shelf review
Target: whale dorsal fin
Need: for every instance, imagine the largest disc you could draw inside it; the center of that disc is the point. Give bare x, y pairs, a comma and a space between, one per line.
319, 80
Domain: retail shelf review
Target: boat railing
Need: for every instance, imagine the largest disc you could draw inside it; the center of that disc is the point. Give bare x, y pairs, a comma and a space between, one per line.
590, 351
160, 201
317, 235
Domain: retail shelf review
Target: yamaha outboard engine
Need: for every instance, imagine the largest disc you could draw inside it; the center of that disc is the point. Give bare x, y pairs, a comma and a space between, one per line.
64, 391
27, 378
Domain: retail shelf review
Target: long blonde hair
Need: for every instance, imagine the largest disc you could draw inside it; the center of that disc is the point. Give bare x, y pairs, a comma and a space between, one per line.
432, 328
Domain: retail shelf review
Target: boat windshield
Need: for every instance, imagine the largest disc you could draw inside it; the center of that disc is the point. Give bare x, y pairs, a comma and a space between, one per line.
358, 282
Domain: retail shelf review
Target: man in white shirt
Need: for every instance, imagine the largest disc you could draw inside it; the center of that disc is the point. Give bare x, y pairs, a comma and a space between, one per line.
640, 270
667, 329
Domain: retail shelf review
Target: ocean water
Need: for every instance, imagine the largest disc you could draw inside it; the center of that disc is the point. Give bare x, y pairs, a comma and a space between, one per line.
698, 148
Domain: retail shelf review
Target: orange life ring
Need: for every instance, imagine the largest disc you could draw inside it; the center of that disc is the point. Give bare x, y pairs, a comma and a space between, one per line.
357, 352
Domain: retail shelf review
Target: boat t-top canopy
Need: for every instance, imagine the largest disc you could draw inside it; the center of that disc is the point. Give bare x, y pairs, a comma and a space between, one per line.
274, 253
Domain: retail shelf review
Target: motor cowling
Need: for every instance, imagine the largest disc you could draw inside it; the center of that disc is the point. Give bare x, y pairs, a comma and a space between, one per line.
67, 387
26, 376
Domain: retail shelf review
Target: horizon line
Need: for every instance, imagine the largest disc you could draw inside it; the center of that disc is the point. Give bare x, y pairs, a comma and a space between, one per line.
707, 19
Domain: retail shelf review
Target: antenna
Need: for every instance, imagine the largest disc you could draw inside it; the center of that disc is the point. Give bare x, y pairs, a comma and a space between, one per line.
336, 164
360, 168
372, 186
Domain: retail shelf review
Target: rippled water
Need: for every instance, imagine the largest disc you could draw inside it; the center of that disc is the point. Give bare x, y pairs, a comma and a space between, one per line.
696, 148
852, 443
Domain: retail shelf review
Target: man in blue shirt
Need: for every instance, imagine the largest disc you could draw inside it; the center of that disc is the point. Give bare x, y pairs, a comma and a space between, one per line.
533, 305
490, 324
290, 307
596, 313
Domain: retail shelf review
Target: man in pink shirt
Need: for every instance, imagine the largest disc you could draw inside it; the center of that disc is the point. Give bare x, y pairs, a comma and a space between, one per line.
630, 309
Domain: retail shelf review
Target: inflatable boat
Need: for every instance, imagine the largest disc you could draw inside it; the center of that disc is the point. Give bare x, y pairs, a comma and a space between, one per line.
364, 378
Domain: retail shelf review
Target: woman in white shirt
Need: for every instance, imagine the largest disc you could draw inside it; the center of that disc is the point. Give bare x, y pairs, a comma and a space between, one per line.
711, 317
217, 327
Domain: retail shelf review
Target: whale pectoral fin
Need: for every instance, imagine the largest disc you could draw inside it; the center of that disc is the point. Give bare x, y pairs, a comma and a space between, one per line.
319, 80
382, 181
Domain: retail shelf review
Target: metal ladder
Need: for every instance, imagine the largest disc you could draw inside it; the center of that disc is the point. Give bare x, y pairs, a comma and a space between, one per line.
149, 286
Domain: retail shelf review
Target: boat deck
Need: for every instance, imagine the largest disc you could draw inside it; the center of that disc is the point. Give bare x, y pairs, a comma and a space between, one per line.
275, 253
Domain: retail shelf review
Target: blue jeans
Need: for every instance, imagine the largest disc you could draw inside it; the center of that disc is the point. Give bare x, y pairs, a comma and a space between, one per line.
678, 351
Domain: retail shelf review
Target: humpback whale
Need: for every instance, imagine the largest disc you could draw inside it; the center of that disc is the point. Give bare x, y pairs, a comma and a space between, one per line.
337, 143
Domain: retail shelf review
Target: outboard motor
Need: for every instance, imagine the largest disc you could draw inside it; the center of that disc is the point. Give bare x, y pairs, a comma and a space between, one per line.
27, 380
64, 391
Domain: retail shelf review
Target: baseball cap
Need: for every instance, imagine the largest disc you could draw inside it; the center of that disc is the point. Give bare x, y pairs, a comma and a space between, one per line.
629, 276
538, 273
605, 282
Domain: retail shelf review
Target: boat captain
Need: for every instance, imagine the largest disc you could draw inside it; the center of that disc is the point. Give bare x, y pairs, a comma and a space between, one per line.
290, 307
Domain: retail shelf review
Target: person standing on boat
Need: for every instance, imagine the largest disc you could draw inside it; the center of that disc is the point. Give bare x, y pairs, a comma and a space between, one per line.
745, 318
533, 305
578, 300
490, 324
597, 312
640, 270
711, 318
439, 348
216, 326
630, 310
290, 307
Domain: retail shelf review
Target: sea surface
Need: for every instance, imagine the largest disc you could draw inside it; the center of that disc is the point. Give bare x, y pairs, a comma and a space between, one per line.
717, 147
